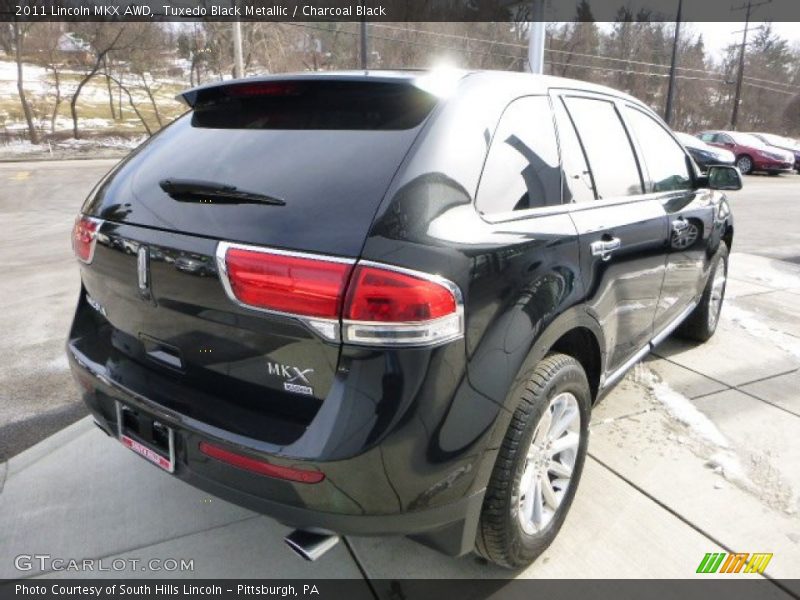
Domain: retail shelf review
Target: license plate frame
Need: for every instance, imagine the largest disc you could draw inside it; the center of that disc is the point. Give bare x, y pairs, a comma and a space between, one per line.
164, 458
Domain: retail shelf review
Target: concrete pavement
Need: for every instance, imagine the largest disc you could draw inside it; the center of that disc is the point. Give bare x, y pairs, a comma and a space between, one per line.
663, 485
696, 451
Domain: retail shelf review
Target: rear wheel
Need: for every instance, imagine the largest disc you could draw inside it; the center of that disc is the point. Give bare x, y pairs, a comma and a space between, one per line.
745, 164
701, 324
539, 465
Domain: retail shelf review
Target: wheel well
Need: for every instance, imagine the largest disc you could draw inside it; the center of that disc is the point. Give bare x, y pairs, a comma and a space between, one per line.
581, 344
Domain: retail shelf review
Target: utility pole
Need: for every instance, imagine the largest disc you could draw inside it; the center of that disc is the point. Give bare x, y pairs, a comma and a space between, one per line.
363, 39
672, 67
537, 37
238, 61
740, 75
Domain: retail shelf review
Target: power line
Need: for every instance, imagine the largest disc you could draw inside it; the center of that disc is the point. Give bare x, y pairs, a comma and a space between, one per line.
713, 79
567, 52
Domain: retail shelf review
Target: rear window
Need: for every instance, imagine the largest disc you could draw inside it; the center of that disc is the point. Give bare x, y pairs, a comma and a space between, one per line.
331, 105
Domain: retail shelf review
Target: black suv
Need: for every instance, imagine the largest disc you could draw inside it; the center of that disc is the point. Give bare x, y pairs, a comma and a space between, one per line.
386, 303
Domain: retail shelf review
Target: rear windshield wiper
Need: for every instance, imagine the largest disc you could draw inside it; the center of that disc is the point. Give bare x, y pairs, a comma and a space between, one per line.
195, 190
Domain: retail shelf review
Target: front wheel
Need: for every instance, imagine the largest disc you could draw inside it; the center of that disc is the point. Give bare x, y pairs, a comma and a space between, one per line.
539, 465
745, 164
701, 324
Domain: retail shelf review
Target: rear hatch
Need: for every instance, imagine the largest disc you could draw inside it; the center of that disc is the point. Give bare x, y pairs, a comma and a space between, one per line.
297, 165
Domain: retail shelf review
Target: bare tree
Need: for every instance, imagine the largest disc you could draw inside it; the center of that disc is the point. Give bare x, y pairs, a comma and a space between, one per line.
19, 36
131, 101
104, 39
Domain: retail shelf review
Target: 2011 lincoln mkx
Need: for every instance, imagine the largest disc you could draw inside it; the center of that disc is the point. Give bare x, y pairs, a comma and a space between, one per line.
385, 303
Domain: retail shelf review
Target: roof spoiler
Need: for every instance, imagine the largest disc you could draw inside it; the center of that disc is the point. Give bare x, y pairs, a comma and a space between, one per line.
438, 82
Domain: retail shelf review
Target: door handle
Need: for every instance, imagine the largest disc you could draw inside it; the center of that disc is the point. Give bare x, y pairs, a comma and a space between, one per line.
604, 248
680, 225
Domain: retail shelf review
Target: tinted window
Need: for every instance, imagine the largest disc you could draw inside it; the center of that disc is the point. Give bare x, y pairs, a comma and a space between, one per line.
665, 160
607, 147
522, 169
577, 178
312, 105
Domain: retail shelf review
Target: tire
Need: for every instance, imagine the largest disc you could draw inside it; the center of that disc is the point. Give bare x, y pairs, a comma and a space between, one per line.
745, 164
558, 382
701, 324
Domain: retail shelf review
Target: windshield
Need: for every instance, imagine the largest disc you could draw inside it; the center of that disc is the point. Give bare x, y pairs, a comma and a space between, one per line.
745, 139
777, 140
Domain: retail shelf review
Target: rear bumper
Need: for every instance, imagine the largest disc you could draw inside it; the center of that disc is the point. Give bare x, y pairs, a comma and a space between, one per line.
388, 489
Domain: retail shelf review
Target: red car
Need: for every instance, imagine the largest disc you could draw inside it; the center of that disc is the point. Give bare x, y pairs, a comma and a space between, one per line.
751, 153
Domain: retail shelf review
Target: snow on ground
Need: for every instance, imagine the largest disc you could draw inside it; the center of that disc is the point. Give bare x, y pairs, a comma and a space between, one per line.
35, 78
750, 469
754, 324
21, 148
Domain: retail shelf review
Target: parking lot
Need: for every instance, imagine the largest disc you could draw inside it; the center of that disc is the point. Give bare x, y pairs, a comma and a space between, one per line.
696, 451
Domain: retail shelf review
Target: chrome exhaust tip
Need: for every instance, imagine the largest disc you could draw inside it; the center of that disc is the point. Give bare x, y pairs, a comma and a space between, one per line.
309, 545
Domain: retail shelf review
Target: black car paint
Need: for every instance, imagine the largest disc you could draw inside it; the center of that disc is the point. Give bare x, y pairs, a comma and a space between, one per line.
407, 438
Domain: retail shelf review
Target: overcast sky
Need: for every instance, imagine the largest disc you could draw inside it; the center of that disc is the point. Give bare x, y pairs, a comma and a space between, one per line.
718, 35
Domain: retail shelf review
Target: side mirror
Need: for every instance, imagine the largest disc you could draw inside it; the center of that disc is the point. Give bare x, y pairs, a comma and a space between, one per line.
723, 177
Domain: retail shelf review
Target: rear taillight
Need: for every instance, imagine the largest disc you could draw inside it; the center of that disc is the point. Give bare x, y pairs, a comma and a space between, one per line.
259, 466
397, 307
84, 237
295, 284
374, 304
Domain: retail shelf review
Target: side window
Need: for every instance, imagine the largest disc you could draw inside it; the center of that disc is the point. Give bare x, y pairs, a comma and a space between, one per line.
665, 160
578, 186
522, 169
607, 146
706, 137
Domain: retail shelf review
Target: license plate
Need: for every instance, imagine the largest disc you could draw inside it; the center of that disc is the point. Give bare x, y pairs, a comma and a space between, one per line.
160, 454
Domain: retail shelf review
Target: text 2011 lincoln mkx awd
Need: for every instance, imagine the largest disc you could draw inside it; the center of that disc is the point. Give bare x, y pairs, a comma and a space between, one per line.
385, 303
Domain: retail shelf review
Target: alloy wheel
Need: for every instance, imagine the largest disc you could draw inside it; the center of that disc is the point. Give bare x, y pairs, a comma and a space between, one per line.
717, 294
549, 463
745, 164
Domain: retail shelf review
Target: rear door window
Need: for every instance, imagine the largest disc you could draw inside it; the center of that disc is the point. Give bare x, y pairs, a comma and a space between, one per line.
522, 170
607, 146
578, 185
666, 162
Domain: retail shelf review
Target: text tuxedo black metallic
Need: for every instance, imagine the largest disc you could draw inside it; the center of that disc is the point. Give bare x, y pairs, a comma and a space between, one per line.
385, 303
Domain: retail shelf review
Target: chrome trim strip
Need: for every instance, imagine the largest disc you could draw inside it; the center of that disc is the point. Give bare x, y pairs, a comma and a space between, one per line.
673, 325
662, 335
618, 374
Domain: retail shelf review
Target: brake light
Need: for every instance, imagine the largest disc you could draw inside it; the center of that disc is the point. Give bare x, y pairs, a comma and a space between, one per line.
390, 306
84, 237
375, 304
285, 282
243, 90
259, 466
